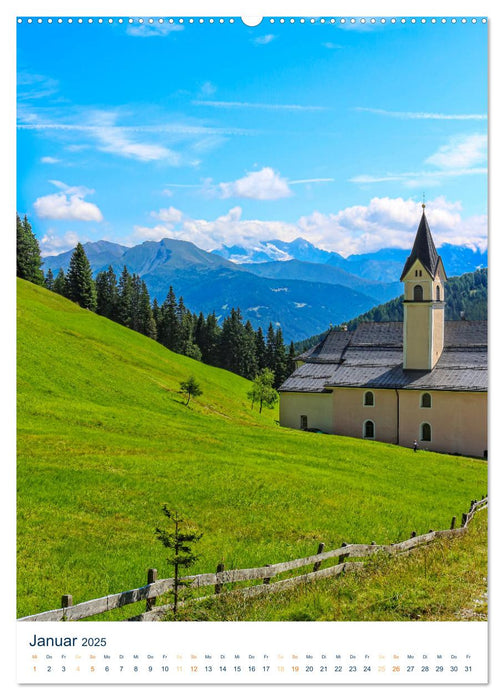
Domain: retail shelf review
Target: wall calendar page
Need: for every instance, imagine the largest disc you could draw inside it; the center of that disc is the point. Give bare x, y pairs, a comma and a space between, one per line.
252, 349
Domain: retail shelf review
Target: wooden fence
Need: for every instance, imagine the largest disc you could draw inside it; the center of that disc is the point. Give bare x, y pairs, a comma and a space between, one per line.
155, 588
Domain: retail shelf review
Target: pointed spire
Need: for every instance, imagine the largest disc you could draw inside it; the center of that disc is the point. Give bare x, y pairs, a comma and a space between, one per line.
423, 249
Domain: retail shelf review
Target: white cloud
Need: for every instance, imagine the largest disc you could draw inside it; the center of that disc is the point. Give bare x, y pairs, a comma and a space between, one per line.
422, 115
146, 29
261, 184
460, 157
383, 222
69, 204
258, 105
208, 88
461, 152
51, 244
115, 140
263, 40
169, 216
49, 160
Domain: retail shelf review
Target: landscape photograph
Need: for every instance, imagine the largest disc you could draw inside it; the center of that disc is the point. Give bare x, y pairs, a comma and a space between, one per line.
252, 305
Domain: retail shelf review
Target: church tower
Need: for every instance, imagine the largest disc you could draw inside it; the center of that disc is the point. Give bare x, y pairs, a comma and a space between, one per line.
424, 278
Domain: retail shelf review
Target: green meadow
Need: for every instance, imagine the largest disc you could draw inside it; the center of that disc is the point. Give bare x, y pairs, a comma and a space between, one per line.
104, 439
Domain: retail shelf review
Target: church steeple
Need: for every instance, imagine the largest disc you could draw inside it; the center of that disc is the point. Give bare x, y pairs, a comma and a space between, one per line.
424, 278
423, 249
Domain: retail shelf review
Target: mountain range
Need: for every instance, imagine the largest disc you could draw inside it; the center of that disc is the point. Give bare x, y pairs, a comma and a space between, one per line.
303, 293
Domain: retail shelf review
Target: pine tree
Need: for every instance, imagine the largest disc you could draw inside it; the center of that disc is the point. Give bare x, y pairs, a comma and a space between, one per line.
232, 343
49, 280
28, 260
147, 321
107, 298
156, 312
291, 360
180, 543
260, 349
211, 344
80, 284
249, 352
190, 387
60, 283
168, 327
269, 355
280, 367
125, 294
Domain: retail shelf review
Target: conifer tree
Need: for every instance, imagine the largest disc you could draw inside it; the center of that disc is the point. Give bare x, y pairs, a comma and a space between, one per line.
260, 349
168, 328
232, 343
269, 355
80, 283
280, 364
28, 260
156, 312
49, 280
291, 360
211, 344
60, 283
180, 543
249, 359
125, 294
147, 322
107, 298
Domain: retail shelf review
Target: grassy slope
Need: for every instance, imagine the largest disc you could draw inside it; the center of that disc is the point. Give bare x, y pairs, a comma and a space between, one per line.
104, 439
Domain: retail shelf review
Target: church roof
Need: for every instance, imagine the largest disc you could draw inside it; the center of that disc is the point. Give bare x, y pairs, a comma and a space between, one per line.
372, 357
423, 249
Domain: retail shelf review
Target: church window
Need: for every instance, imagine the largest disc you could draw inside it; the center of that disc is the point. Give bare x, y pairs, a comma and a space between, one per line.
368, 429
303, 422
426, 401
438, 293
417, 293
425, 432
368, 398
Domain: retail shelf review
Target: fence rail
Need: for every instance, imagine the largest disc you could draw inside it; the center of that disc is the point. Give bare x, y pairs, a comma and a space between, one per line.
154, 588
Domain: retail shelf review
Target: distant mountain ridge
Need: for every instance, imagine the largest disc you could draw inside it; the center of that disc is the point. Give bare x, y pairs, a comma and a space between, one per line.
384, 265
209, 283
302, 296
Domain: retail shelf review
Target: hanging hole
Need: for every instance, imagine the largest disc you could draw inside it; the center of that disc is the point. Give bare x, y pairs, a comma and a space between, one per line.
252, 21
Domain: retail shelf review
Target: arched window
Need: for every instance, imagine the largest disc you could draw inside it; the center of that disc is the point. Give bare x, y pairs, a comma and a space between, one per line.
368, 429
438, 293
417, 293
369, 398
426, 401
425, 432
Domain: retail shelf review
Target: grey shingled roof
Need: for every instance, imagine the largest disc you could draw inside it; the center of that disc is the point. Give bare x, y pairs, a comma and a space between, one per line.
371, 356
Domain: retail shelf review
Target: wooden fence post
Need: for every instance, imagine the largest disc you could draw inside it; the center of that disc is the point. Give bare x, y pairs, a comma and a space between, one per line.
453, 521
267, 579
218, 586
342, 557
151, 577
464, 519
66, 602
413, 534
320, 549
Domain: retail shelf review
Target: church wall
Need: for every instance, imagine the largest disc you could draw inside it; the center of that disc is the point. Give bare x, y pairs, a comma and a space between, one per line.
438, 334
316, 407
458, 421
350, 413
417, 331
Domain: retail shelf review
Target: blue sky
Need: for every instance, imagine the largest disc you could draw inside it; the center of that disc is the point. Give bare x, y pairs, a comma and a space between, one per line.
227, 134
